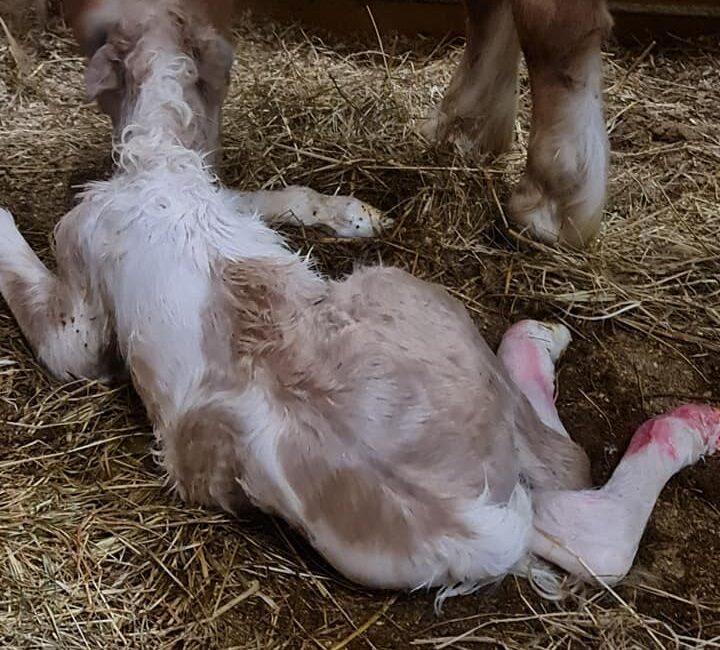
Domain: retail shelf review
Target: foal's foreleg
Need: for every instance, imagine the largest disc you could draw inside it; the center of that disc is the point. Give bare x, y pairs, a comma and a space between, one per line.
346, 216
67, 330
550, 459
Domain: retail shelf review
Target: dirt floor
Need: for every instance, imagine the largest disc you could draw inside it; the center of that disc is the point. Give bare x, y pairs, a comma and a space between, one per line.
94, 550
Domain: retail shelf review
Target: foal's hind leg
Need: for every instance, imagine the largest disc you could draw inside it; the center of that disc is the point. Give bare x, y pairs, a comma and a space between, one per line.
550, 460
201, 452
596, 533
529, 351
64, 322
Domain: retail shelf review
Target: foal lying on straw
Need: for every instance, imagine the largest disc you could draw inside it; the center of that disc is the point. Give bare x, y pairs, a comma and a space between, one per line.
369, 412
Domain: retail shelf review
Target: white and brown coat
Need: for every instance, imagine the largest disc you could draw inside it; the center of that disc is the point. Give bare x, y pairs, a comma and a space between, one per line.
367, 412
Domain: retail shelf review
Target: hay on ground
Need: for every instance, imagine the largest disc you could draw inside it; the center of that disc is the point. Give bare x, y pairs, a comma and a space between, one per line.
94, 552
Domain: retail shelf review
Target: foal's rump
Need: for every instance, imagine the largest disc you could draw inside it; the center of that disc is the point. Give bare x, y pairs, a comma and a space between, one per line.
387, 516
383, 429
379, 423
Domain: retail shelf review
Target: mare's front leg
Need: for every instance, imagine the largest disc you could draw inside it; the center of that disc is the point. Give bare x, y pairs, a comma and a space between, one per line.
346, 216
479, 108
562, 193
67, 327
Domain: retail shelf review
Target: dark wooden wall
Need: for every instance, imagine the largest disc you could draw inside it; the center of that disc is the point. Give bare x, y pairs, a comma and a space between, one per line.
633, 19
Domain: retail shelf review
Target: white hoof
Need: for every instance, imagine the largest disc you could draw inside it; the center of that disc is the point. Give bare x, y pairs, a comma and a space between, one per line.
351, 217
555, 337
560, 338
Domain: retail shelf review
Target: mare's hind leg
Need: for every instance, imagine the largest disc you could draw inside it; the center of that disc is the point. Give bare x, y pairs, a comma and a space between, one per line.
529, 351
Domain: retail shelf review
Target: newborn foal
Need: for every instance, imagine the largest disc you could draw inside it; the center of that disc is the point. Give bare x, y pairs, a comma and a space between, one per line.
369, 413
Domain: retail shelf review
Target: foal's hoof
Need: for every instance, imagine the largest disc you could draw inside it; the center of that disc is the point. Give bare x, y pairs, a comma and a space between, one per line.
702, 419
560, 338
354, 218
554, 337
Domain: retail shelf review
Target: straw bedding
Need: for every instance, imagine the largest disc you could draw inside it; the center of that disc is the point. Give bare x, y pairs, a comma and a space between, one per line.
95, 553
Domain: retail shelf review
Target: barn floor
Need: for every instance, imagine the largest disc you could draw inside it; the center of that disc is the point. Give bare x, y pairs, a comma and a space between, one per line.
95, 552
